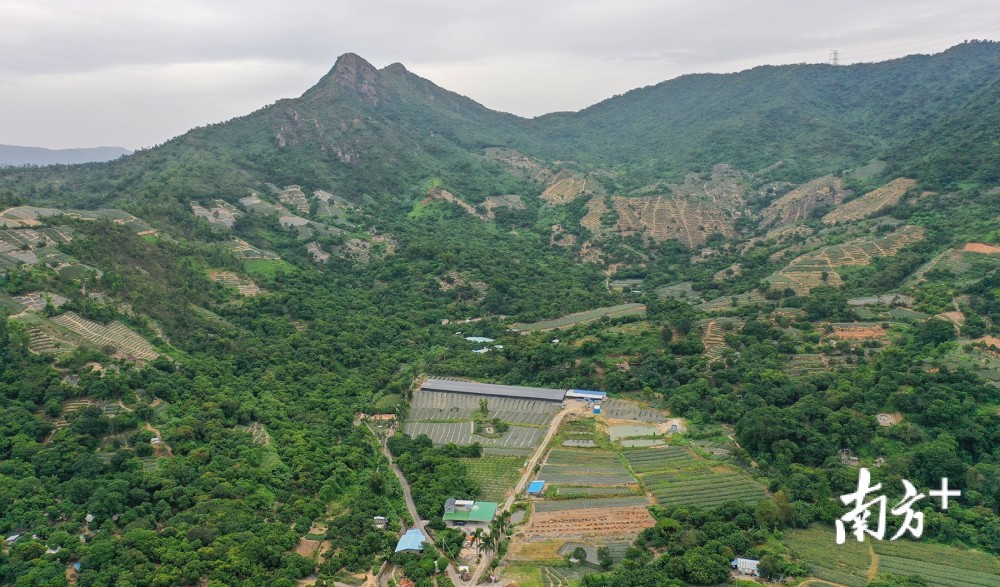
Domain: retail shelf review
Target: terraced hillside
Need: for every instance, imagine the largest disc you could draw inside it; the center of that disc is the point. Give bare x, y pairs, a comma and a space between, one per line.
818, 267
798, 204
665, 217
871, 203
115, 335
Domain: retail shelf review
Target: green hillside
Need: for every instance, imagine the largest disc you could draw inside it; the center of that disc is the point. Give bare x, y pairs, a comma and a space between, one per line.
803, 263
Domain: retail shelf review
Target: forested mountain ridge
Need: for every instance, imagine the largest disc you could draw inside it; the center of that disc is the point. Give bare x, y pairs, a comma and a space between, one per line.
804, 271
17, 155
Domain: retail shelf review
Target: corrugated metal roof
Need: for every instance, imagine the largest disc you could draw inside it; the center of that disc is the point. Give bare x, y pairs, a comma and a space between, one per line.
468, 387
413, 540
536, 486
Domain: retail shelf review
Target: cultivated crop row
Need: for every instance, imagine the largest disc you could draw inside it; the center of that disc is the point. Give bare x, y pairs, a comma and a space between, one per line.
623, 410
937, 574
461, 433
702, 488
668, 458
116, 335
562, 505
584, 467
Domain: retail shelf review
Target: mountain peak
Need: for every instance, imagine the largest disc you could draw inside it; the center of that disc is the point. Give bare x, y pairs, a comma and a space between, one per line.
352, 72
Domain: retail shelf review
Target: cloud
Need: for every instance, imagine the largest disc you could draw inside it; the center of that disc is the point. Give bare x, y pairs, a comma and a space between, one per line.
137, 73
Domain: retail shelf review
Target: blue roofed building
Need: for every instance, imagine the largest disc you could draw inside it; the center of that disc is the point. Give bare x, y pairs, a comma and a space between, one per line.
536, 487
586, 395
412, 541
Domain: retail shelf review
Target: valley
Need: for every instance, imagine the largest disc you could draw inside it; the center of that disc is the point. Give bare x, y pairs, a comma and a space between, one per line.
704, 313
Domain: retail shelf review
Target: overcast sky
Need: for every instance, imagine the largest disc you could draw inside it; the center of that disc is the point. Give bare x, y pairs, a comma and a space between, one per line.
135, 73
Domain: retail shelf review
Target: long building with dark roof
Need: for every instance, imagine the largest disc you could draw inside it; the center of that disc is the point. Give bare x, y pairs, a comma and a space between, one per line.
493, 390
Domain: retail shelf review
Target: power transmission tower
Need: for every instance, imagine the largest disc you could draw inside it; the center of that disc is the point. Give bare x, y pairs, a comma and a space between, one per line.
835, 57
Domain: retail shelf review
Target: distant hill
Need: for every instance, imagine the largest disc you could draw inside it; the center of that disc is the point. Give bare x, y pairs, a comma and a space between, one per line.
16, 155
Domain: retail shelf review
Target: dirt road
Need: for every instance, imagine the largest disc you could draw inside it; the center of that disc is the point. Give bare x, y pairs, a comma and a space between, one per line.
412, 507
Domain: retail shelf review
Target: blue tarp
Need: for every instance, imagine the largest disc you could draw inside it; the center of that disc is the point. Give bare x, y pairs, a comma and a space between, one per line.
536, 486
413, 540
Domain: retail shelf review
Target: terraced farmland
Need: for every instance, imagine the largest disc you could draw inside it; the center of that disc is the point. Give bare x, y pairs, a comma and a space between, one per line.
807, 271
585, 467
115, 335
940, 565
799, 203
219, 213
582, 317
871, 203
246, 287
806, 364
496, 475
665, 217
36, 301
713, 337
256, 431
596, 208
520, 437
565, 189
244, 250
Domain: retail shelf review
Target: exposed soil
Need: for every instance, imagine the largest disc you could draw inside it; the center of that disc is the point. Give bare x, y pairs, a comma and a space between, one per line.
859, 332
981, 248
589, 522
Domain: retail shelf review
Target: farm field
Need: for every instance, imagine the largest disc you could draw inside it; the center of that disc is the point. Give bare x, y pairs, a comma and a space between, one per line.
433, 405
940, 565
586, 467
702, 487
624, 410
846, 564
461, 433
669, 458
590, 518
496, 475
620, 431
676, 476
581, 317
116, 335
871, 203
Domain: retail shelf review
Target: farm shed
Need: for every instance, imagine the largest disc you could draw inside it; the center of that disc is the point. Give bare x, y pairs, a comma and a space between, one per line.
536, 487
460, 512
412, 541
490, 389
586, 395
745, 566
